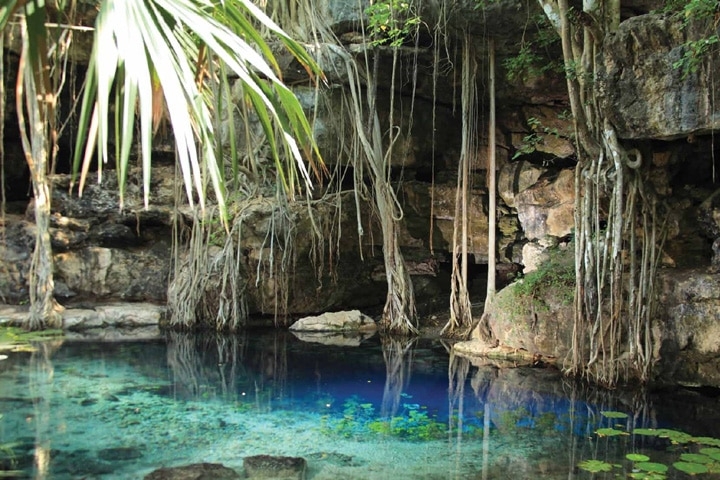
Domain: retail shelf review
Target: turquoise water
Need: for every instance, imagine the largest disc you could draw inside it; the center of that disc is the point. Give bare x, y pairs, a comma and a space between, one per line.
377, 410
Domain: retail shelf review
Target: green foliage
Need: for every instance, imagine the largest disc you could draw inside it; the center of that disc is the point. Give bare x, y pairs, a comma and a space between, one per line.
391, 22
14, 338
535, 137
535, 58
359, 420
555, 277
695, 51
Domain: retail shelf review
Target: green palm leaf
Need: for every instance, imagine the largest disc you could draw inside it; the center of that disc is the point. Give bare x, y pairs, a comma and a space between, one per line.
140, 40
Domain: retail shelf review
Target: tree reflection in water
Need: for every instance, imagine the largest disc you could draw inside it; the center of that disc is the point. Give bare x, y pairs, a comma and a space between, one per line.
40, 386
398, 355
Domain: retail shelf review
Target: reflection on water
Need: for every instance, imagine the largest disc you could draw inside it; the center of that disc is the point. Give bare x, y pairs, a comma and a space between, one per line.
400, 409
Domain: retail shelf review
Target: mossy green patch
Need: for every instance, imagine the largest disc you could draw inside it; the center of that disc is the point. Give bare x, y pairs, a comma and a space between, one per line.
14, 338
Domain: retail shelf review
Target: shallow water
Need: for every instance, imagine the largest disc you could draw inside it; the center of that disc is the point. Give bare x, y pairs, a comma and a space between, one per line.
379, 410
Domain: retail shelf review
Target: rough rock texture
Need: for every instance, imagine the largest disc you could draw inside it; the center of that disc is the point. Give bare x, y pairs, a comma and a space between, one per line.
689, 316
275, 467
139, 321
196, 471
687, 329
540, 325
643, 94
352, 320
546, 208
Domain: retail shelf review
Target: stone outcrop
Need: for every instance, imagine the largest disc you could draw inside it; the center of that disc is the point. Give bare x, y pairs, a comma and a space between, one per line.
649, 88
688, 328
352, 320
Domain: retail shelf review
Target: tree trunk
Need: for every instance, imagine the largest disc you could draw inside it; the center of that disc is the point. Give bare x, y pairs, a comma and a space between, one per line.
44, 311
491, 173
613, 303
460, 306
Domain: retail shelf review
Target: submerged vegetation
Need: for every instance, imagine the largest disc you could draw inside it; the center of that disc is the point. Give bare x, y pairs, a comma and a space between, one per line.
361, 421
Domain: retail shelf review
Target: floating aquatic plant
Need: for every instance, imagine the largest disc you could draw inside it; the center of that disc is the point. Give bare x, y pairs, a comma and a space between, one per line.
595, 466
637, 457
610, 432
698, 456
616, 415
691, 468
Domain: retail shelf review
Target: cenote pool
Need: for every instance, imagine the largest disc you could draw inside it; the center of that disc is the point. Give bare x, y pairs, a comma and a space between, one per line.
370, 410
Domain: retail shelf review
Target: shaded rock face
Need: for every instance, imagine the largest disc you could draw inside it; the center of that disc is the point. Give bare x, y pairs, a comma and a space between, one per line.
101, 252
644, 94
688, 331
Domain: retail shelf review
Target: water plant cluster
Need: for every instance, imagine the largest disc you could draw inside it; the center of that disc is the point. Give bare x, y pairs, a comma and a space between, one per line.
360, 420
18, 339
688, 454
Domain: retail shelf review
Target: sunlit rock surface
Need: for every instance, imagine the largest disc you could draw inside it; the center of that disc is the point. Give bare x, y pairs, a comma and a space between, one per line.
352, 320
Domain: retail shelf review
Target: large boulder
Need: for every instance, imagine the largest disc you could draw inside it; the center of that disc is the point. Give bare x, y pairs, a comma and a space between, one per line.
689, 329
645, 90
352, 320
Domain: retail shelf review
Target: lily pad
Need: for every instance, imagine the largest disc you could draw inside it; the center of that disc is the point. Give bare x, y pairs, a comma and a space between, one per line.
675, 436
595, 466
637, 457
690, 468
695, 458
712, 452
609, 432
652, 432
652, 467
611, 414
714, 442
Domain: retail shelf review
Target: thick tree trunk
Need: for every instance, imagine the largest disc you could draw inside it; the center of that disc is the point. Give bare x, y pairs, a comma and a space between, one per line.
44, 311
491, 173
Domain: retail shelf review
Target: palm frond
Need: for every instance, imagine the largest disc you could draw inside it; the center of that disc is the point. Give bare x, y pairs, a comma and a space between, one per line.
138, 40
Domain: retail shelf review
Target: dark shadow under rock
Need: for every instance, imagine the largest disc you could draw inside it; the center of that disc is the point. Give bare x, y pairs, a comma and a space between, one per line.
275, 467
196, 471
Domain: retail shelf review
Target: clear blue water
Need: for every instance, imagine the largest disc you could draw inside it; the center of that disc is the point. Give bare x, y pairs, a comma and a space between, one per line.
119, 410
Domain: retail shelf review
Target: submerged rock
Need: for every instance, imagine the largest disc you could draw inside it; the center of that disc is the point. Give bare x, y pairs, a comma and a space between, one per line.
276, 467
352, 320
195, 471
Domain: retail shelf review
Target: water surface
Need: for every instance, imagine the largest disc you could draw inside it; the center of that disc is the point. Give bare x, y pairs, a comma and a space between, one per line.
377, 410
